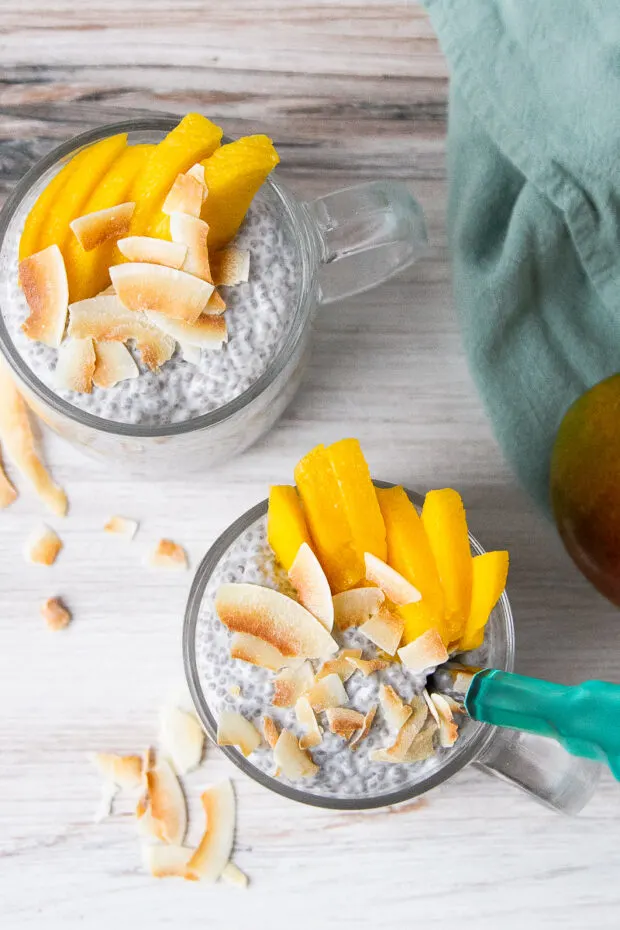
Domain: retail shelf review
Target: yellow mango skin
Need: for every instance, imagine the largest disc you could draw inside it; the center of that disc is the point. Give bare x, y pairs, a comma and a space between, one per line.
360, 500
88, 272
286, 524
327, 520
489, 574
40, 212
445, 525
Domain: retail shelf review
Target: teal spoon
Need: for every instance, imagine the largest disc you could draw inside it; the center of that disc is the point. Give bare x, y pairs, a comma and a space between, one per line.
584, 719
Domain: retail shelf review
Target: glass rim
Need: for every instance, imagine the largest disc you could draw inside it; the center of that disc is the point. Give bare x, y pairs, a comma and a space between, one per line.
133, 430
458, 758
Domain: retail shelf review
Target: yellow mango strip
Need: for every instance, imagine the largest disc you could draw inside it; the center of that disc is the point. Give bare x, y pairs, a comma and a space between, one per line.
286, 524
88, 271
39, 215
360, 500
195, 138
489, 574
327, 520
419, 618
443, 518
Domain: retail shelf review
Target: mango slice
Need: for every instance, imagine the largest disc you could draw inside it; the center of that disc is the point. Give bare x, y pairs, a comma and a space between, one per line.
88, 271
443, 518
286, 524
419, 618
358, 491
40, 212
489, 574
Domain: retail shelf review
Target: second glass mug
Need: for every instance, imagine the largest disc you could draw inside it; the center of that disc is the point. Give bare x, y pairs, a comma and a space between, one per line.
366, 234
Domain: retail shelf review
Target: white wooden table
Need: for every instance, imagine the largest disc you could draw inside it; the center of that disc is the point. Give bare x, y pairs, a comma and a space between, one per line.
349, 91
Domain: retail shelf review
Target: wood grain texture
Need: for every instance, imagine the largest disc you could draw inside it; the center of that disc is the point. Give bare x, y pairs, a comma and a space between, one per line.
350, 91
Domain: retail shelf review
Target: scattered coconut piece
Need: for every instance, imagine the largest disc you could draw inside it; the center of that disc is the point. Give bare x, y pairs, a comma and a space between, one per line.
343, 721
275, 618
93, 229
405, 736
394, 585
385, 630
368, 666
107, 320
181, 738
197, 171
365, 730
310, 582
208, 332
16, 434
232, 875
216, 304
355, 607
192, 233
395, 711
43, 546
248, 648
55, 614
455, 706
423, 746
291, 683
144, 286
230, 267
121, 526
448, 730
327, 692
166, 861
165, 803
123, 771
462, 680
190, 354
307, 719
270, 731
293, 761
427, 651
7, 492
234, 730
113, 363
431, 707
157, 251
234, 691
75, 366
339, 666
185, 195
168, 554
213, 852
43, 279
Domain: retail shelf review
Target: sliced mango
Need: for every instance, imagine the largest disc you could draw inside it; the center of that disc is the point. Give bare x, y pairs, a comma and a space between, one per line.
286, 524
489, 574
445, 525
419, 618
88, 271
360, 500
40, 213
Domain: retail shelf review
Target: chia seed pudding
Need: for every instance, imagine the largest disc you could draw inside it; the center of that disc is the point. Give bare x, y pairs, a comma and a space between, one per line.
342, 773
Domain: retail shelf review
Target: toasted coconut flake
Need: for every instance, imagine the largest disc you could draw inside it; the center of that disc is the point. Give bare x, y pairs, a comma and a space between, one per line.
406, 735
43, 546
368, 666
363, 733
213, 851
169, 555
107, 291
166, 861
113, 363
307, 719
455, 706
43, 279
431, 707
395, 711
7, 492
181, 738
248, 648
105, 319
291, 683
327, 692
427, 651
343, 721
275, 618
185, 195
312, 586
216, 304
270, 731
142, 286
76, 366
190, 354
121, 526
230, 267
339, 666
232, 875
423, 746
234, 730
462, 680
234, 691
448, 730
385, 630
192, 233
197, 171
393, 585
355, 607
123, 771
208, 332
166, 803
55, 614
293, 761
93, 229
157, 251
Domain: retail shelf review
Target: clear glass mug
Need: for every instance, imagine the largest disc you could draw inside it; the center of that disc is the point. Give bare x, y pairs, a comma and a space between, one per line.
365, 234
538, 766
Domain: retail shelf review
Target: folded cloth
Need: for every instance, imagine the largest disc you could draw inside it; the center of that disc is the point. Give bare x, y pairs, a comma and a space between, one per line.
534, 208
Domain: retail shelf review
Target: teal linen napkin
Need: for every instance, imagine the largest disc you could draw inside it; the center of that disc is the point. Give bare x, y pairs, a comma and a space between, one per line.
533, 216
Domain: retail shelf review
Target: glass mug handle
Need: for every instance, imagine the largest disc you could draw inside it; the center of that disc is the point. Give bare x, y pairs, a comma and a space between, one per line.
366, 234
